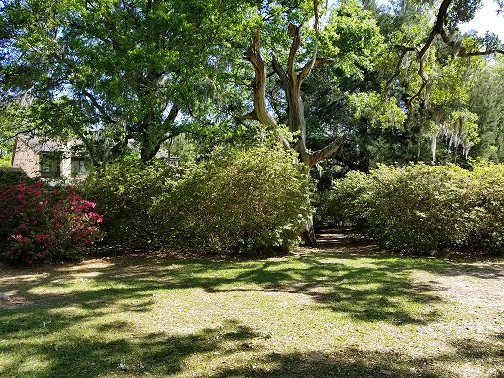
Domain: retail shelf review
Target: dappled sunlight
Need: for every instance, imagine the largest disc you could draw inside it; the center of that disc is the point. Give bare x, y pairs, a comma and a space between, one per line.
322, 313
91, 264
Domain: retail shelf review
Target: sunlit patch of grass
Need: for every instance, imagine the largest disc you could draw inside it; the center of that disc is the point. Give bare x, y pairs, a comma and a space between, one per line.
316, 314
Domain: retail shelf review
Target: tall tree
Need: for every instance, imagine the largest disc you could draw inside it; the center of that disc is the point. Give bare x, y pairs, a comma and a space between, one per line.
350, 38
136, 67
486, 99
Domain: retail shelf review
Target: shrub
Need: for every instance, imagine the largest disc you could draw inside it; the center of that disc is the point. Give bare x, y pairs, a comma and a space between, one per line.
240, 200
420, 208
9, 176
341, 205
39, 223
124, 193
489, 206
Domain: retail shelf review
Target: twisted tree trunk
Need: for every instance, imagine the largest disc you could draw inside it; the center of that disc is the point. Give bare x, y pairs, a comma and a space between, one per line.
291, 82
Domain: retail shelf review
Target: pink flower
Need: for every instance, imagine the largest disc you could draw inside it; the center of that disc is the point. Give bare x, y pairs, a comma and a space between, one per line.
92, 204
18, 237
96, 217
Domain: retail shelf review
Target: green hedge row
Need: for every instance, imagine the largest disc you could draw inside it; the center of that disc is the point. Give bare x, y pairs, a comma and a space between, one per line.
420, 208
247, 200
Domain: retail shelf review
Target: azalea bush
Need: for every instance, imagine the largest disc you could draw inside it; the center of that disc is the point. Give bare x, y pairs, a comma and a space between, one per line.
39, 223
124, 192
420, 208
251, 200
341, 205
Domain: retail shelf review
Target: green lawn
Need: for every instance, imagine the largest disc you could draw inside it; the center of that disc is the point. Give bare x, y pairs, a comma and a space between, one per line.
349, 311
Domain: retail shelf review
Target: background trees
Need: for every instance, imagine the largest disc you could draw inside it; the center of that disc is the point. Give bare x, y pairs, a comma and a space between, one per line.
392, 78
140, 70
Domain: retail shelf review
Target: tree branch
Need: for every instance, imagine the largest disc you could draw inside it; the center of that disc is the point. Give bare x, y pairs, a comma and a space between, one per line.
296, 42
98, 106
173, 113
277, 67
404, 51
313, 63
422, 54
260, 111
17, 134
327, 151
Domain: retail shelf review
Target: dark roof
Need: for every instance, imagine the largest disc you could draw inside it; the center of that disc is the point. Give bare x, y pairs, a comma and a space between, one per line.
46, 145
39, 144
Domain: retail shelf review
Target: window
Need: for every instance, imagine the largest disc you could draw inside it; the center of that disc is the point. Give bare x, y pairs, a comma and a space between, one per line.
49, 164
79, 167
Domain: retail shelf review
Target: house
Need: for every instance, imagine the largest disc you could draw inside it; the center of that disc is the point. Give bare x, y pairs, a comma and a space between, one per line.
49, 158
55, 159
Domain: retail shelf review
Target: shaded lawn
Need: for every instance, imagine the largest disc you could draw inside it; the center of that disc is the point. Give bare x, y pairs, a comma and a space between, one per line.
345, 311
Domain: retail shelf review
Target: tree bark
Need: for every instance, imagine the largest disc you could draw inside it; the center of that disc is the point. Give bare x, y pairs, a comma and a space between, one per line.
308, 234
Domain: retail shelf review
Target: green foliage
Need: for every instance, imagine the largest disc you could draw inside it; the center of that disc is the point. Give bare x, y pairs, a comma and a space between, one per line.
129, 68
487, 101
10, 177
247, 200
352, 38
340, 206
5, 160
240, 199
123, 193
377, 109
420, 208
490, 202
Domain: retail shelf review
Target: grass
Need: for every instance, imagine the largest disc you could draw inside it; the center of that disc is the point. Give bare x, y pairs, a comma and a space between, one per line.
344, 312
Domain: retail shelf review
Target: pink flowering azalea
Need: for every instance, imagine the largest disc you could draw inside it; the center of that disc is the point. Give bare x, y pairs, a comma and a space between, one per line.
96, 217
18, 237
92, 204
55, 222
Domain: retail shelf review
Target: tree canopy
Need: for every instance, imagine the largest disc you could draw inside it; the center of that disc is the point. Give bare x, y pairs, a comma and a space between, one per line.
353, 80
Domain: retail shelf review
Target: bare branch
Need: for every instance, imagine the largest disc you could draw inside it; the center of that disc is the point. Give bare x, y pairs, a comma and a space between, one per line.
98, 106
327, 151
296, 42
174, 111
438, 27
281, 73
252, 116
313, 63
260, 112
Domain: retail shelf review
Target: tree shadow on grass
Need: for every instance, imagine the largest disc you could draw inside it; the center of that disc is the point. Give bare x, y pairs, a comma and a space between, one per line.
159, 354
376, 289
373, 287
356, 363
350, 364
367, 288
